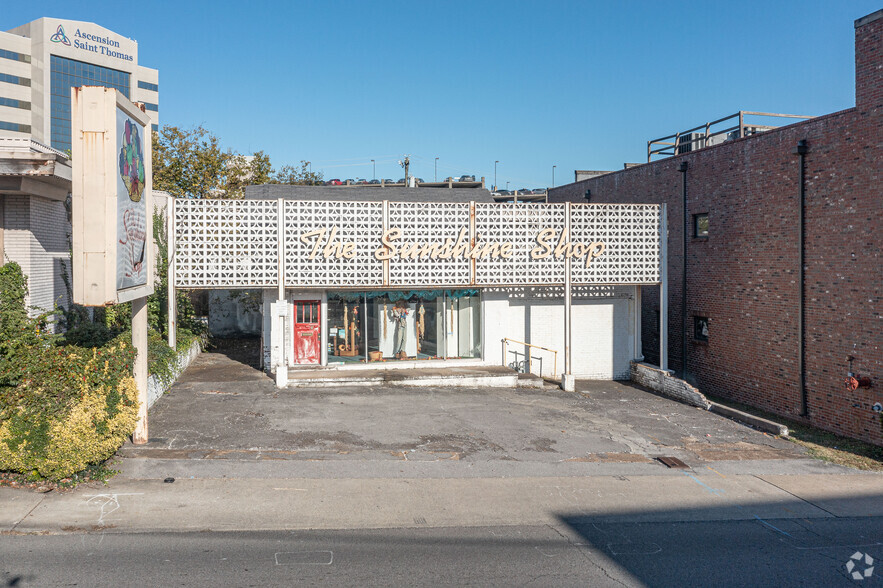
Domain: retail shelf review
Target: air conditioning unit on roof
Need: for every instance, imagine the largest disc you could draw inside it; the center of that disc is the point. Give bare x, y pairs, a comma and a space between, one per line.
690, 142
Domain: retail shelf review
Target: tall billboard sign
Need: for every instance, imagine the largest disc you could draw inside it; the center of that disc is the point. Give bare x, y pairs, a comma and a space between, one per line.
112, 208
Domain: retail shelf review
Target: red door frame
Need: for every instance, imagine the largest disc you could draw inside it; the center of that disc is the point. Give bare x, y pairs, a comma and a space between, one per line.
307, 332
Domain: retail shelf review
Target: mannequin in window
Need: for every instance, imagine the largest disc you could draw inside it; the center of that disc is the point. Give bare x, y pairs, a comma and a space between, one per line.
399, 315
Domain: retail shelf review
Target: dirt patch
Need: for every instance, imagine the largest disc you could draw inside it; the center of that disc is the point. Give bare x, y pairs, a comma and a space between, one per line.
740, 451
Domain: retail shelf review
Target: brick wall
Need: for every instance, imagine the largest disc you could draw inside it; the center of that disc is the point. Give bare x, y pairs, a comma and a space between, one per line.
743, 277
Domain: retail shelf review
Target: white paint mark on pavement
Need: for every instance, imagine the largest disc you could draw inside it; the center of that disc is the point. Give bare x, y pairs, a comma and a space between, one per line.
109, 502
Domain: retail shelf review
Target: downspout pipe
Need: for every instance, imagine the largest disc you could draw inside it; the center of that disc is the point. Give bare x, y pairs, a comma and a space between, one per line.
686, 228
801, 151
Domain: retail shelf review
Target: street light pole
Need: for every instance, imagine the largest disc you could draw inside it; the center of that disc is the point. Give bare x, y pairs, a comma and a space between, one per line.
553, 175
495, 174
374, 172
436, 170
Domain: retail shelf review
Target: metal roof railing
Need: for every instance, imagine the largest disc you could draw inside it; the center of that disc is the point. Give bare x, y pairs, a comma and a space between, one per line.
734, 126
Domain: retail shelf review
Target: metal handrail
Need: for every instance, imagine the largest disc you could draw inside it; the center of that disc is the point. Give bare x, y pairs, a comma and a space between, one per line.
666, 148
506, 342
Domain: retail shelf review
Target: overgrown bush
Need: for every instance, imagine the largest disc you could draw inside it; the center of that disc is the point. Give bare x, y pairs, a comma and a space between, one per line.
69, 401
67, 407
62, 407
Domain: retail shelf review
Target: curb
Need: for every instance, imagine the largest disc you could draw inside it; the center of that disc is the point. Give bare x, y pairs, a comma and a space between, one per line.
749, 419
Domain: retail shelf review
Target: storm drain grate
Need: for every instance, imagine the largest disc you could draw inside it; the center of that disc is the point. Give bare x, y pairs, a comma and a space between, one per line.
673, 462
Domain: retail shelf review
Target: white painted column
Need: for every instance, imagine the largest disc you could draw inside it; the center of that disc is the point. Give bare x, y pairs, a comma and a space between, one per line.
663, 287
280, 309
170, 276
567, 380
139, 342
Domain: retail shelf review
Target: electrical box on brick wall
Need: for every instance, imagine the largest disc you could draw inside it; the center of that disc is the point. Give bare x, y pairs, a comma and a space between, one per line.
111, 198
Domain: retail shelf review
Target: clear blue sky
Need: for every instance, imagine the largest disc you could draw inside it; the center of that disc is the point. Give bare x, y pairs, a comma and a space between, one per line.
578, 85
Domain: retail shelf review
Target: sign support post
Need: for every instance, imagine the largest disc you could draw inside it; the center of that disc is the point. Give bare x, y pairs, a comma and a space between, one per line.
139, 342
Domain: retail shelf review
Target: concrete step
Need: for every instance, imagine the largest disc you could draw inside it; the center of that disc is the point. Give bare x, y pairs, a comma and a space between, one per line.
473, 377
530, 381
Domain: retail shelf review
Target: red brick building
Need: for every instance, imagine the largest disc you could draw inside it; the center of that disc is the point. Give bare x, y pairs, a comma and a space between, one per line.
744, 276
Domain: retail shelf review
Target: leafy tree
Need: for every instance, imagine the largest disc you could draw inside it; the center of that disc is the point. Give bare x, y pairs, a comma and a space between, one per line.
243, 170
189, 162
298, 175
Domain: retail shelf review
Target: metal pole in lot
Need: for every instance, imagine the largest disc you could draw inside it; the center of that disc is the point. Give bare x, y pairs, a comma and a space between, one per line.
663, 287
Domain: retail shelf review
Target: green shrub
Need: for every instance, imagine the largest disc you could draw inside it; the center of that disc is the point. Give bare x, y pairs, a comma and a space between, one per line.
70, 407
87, 334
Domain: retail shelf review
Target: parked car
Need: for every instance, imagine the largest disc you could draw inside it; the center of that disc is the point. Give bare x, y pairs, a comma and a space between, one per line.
539, 190
525, 191
387, 182
349, 181
401, 181
373, 181
334, 182
467, 179
361, 181
419, 180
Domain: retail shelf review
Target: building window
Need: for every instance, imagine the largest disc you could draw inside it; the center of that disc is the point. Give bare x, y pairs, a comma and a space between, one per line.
9, 79
154, 128
15, 103
396, 325
6, 54
66, 74
700, 328
148, 86
700, 225
8, 126
153, 107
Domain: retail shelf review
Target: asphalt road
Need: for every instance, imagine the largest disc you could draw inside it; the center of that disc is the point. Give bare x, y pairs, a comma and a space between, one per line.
578, 552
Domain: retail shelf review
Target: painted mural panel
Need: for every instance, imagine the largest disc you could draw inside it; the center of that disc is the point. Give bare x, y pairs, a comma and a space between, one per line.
131, 204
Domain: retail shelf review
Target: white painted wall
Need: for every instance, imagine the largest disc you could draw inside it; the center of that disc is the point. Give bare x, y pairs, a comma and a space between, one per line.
603, 333
603, 329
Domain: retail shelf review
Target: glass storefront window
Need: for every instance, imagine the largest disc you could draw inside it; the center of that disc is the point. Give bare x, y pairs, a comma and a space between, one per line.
403, 325
344, 321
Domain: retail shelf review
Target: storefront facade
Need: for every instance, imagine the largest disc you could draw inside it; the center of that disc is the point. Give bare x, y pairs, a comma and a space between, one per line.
387, 284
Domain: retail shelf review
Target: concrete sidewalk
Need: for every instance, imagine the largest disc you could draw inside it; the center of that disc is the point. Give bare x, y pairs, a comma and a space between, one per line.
126, 505
247, 456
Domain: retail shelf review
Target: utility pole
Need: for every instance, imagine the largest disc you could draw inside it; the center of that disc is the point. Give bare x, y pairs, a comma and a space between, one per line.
374, 172
406, 164
436, 170
495, 174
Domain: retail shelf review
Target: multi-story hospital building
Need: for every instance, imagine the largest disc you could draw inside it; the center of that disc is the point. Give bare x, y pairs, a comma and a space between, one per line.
39, 64
42, 60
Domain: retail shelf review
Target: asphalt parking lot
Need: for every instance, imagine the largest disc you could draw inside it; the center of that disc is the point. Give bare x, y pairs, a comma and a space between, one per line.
222, 411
